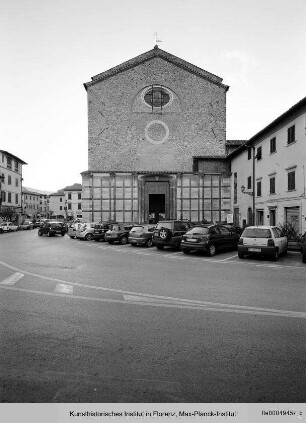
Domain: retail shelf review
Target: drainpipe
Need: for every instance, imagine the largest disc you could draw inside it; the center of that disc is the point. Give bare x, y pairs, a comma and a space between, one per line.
253, 197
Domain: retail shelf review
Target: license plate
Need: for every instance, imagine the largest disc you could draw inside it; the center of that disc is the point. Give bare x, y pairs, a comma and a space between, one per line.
191, 240
255, 250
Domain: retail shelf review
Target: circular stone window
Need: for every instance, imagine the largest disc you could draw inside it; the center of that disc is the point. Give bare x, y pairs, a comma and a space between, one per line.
157, 96
156, 132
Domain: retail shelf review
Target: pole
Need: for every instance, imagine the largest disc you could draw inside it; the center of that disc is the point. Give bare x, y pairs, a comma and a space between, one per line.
253, 206
1, 180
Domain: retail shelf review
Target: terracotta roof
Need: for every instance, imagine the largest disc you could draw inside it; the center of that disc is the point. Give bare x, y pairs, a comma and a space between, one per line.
59, 192
29, 191
151, 54
13, 157
235, 142
74, 187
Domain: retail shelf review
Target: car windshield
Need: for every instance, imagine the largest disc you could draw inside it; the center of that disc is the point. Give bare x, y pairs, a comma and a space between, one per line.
55, 224
198, 231
137, 229
167, 225
256, 233
115, 228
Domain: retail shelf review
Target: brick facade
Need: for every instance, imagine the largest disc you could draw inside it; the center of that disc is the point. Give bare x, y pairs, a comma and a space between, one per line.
129, 139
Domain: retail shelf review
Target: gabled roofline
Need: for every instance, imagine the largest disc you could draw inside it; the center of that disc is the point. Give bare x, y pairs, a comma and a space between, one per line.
149, 55
294, 109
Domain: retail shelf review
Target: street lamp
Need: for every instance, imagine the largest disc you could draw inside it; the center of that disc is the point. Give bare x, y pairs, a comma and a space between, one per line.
246, 192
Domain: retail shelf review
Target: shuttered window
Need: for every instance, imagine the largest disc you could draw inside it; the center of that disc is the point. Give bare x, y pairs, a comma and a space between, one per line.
291, 180
291, 134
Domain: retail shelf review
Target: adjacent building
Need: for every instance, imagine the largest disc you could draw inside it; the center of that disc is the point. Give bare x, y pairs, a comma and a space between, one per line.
268, 173
57, 203
35, 203
156, 142
67, 202
11, 181
73, 201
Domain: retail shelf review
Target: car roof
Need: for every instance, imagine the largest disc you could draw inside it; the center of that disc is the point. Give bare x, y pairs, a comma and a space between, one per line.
261, 227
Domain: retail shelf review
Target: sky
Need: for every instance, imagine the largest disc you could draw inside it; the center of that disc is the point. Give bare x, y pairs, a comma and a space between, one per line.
50, 48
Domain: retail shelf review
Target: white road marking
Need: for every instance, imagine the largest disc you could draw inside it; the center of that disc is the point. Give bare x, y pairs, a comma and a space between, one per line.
229, 258
12, 279
64, 289
168, 304
210, 260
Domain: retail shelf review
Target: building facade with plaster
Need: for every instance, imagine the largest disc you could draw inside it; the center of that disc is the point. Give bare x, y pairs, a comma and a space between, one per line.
11, 181
268, 173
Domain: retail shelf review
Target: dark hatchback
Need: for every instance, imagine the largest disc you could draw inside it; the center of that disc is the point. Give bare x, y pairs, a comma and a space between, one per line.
209, 239
170, 232
51, 228
118, 232
142, 235
99, 231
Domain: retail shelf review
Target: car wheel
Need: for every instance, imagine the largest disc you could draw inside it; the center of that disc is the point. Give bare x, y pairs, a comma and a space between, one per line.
304, 258
211, 250
49, 234
186, 251
149, 242
123, 240
160, 247
164, 233
240, 255
275, 255
63, 233
71, 236
89, 237
39, 233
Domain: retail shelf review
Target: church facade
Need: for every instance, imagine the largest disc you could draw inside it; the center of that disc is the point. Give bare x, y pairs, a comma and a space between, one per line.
156, 143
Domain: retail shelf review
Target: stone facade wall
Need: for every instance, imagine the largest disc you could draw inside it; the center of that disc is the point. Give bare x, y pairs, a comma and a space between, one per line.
121, 124
121, 197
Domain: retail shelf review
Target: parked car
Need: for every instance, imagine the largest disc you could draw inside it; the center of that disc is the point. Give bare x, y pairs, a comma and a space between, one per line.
142, 235
51, 228
267, 241
27, 224
100, 230
170, 233
85, 231
72, 228
209, 239
9, 227
118, 232
39, 222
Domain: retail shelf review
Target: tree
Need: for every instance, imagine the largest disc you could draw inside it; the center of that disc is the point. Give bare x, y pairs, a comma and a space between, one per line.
8, 213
